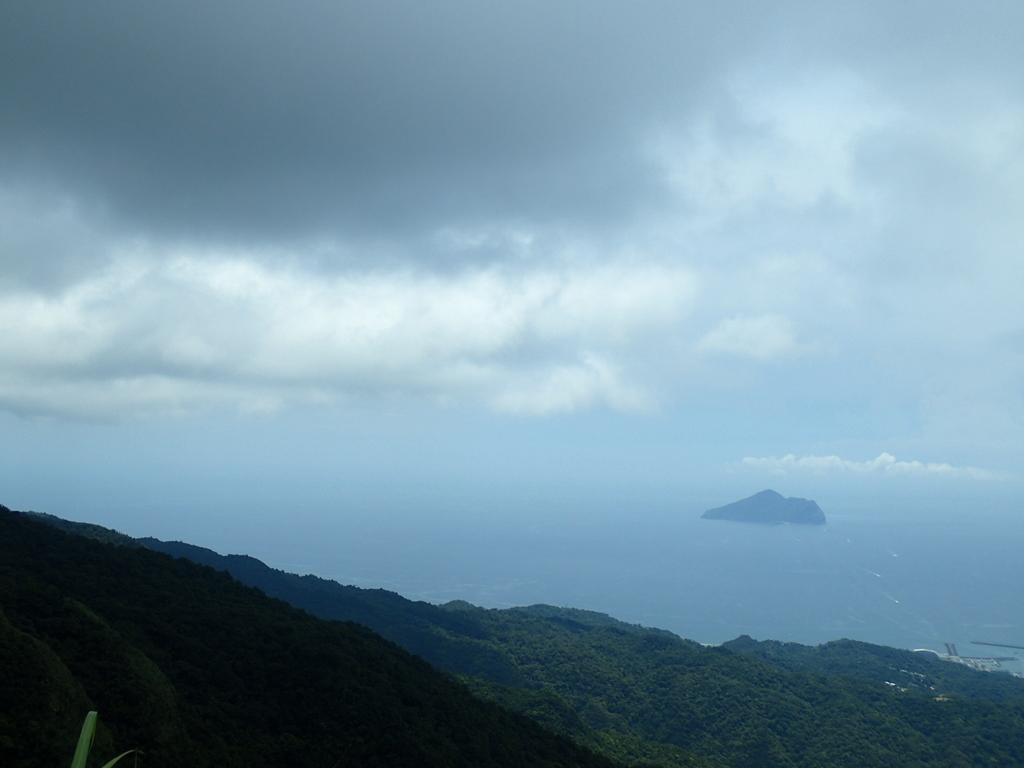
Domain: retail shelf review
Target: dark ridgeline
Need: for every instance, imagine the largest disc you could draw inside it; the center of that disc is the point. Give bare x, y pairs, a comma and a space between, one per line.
770, 508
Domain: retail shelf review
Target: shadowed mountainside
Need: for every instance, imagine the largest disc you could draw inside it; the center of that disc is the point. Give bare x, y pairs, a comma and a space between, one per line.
196, 669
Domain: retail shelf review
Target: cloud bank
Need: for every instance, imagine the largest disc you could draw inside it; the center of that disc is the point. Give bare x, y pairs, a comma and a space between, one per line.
884, 464
190, 332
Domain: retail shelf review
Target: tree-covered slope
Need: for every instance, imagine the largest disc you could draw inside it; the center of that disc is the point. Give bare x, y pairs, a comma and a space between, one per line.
453, 641
739, 709
641, 694
195, 669
891, 666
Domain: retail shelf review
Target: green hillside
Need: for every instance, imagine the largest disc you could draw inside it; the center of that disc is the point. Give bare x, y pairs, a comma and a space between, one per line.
639, 694
890, 666
195, 669
743, 710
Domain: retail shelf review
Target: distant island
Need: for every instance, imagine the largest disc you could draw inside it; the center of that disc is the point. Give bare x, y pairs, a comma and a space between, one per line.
771, 508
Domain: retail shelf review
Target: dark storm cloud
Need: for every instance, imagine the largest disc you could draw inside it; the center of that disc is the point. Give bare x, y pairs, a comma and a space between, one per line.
255, 119
282, 116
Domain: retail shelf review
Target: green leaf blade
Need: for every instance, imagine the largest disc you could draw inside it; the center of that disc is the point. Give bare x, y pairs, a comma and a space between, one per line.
85, 741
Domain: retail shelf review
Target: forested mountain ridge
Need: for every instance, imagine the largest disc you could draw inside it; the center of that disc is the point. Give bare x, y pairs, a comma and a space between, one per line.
647, 694
890, 666
196, 669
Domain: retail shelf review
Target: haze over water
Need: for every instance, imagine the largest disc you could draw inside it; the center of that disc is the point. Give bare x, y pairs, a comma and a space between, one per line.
900, 562
908, 583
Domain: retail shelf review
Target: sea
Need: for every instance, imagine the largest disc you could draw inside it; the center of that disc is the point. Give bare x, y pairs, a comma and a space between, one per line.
908, 582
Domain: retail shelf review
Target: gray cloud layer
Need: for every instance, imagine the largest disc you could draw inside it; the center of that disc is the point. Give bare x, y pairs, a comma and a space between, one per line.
539, 207
257, 119
277, 117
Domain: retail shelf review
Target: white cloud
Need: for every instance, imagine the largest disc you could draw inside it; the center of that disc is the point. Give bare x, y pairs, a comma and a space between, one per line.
192, 331
763, 337
788, 141
592, 381
885, 464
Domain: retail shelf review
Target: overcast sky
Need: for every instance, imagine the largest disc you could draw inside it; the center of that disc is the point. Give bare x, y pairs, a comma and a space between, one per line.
315, 246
